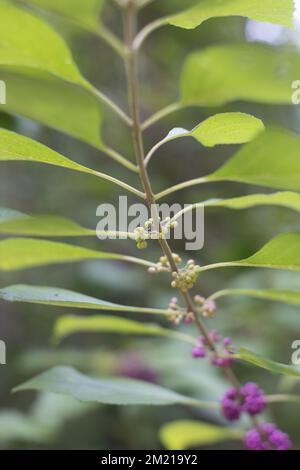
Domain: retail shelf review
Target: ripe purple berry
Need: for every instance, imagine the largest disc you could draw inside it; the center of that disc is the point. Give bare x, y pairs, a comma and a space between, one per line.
231, 408
198, 352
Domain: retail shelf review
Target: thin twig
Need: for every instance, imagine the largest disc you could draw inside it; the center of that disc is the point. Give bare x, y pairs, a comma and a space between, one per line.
119, 158
108, 102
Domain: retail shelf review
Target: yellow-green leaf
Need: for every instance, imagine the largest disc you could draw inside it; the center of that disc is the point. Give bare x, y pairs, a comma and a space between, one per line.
267, 364
41, 226
53, 102
272, 159
29, 42
225, 128
250, 72
285, 199
184, 434
282, 252
55, 296
67, 326
15, 147
271, 11
277, 295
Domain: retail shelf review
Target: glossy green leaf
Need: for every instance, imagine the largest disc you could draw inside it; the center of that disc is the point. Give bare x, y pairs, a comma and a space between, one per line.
41, 226
184, 434
274, 367
66, 298
22, 253
282, 252
43, 82
55, 103
15, 426
277, 295
67, 381
37, 47
66, 326
285, 199
225, 128
272, 11
272, 159
15, 147
262, 74
85, 12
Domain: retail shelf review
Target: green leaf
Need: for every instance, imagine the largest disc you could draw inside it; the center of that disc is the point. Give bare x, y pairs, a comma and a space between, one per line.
38, 47
84, 12
55, 103
282, 252
20, 148
262, 74
271, 11
41, 226
274, 367
272, 159
277, 295
66, 298
67, 381
15, 147
184, 434
286, 199
225, 128
66, 326
43, 82
27, 253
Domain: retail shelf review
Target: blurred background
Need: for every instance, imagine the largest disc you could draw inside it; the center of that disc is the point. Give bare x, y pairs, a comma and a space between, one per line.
33, 421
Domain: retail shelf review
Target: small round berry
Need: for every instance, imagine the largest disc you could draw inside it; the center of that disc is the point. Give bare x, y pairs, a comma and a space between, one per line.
267, 437
254, 399
231, 407
227, 342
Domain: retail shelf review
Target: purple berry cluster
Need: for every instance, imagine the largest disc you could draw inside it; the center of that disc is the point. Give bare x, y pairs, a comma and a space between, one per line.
220, 359
267, 437
252, 400
249, 399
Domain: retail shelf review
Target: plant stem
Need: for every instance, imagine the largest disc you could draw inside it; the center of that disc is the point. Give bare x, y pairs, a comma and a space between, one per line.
130, 25
139, 38
184, 185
